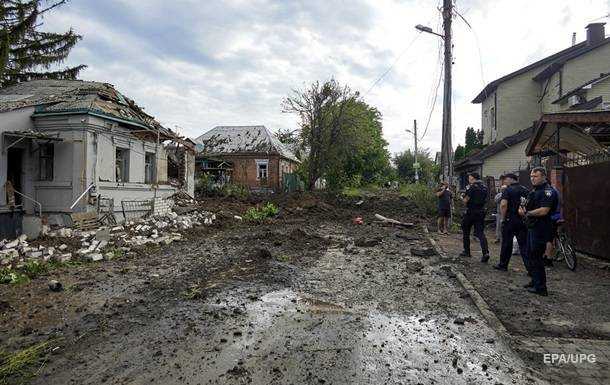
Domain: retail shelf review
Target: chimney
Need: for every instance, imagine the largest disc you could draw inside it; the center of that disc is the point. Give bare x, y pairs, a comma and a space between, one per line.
595, 33
573, 39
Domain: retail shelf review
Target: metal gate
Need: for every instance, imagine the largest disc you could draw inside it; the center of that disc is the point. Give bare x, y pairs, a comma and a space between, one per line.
586, 207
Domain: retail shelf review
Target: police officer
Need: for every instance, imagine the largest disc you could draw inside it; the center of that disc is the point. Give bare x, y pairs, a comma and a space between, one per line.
475, 199
512, 222
541, 203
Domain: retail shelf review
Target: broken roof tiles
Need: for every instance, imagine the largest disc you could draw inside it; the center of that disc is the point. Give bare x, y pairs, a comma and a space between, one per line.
241, 139
77, 96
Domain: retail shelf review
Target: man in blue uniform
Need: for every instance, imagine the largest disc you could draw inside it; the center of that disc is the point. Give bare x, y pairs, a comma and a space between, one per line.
541, 203
475, 199
512, 223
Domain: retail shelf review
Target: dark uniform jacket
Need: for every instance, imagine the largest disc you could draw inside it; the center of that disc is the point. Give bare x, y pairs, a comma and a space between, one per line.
513, 195
543, 195
477, 193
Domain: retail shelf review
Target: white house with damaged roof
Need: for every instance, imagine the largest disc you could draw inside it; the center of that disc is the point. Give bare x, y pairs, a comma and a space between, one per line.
67, 143
574, 79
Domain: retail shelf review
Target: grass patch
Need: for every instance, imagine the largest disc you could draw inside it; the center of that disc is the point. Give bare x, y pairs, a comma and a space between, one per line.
13, 277
283, 258
34, 269
258, 214
192, 293
117, 252
360, 192
18, 365
422, 196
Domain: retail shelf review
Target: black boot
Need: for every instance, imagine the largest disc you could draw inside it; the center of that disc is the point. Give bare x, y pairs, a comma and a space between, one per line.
485, 258
529, 285
501, 267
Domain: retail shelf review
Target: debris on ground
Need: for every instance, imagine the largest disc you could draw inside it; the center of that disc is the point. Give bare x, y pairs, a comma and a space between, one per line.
423, 252
383, 219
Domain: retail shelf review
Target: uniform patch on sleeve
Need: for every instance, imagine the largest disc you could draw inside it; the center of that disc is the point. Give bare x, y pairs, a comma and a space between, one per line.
548, 192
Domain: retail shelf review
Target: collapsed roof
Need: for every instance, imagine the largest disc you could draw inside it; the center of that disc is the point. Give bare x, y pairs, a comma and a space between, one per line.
241, 139
77, 97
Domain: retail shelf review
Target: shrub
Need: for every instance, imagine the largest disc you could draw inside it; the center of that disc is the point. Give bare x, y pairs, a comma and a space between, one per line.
422, 197
257, 214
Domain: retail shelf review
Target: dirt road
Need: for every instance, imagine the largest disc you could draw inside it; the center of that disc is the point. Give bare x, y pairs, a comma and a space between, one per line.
309, 298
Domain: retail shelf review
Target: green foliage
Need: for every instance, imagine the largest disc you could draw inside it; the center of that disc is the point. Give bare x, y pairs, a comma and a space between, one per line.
257, 214
192, 293
18, 365
34, 268
24, 50
291, 140
12, 277
205, 187
341, 136
421, 195
428, 171
473, 142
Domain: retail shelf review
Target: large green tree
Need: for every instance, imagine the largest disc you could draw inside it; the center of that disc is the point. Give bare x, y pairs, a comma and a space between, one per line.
473, 141
27, 53
404, 166
341, 135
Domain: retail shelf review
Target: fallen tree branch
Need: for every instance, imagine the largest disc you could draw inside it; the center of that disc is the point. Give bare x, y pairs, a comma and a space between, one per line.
394, 221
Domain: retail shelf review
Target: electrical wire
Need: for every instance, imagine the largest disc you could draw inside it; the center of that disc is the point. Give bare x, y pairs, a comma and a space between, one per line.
393, 64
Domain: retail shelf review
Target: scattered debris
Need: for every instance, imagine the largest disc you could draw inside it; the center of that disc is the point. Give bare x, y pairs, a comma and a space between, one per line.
55, 285
423, 252
357, 221
367, 242
393, 221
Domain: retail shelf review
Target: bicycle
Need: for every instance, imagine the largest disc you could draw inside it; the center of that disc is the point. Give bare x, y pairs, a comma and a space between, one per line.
564, 247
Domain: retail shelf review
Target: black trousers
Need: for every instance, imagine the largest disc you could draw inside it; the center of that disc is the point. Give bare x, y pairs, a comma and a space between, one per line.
536, 246
510, 229
476, 219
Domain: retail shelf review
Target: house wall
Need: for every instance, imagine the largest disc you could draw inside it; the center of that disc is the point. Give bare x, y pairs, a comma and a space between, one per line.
487, 112
512, 159
18, 120
573, 74
245, 173
517, 104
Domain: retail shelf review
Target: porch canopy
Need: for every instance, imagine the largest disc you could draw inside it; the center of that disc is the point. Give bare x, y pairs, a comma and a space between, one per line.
19, 136
569, 132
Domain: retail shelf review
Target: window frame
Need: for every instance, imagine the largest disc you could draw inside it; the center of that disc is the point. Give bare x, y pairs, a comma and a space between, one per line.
46, 162
124, 164
259, 163
150, 167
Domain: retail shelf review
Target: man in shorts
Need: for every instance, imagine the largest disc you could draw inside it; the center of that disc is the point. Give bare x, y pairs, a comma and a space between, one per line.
444, 195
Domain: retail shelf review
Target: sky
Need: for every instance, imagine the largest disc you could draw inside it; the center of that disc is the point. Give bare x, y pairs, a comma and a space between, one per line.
194, 65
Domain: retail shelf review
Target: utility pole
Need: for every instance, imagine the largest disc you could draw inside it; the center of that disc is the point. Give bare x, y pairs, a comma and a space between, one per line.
415, 165
446, 147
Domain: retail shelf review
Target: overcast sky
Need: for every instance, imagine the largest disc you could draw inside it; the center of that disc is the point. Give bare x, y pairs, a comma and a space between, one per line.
198, 64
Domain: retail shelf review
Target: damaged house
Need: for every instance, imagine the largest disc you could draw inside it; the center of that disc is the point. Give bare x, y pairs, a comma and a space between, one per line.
245, 155
73, 146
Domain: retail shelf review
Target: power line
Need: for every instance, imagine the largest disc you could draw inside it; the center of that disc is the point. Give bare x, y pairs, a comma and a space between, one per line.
432, 107
393, 64
476, 40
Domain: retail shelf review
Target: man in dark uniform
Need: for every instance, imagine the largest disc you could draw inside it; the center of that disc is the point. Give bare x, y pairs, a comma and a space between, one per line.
475, 199
512, 223
541, 203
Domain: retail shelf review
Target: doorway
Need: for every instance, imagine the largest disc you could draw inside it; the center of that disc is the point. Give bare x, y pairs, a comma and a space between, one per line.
14, 168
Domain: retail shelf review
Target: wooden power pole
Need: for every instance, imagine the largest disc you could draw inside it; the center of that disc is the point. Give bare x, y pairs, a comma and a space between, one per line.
415, 164
446, 147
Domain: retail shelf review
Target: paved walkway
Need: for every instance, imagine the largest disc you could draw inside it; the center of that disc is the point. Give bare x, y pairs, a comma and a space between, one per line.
565, 336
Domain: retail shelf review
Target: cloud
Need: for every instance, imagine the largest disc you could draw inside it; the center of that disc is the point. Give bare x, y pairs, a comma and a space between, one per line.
196, 64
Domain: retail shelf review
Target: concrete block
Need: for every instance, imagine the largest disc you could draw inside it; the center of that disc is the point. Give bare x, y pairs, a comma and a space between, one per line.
32, 227
94, 257
62, 247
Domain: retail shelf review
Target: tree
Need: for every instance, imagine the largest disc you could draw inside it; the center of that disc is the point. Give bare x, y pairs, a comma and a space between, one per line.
404, 166
291, 140
473, 141
341, 135
27, 54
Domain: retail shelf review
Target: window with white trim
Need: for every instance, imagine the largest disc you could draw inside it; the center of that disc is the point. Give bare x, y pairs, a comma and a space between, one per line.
262, 168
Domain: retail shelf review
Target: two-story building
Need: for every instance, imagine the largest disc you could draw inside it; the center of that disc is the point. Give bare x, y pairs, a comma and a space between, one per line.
575, 78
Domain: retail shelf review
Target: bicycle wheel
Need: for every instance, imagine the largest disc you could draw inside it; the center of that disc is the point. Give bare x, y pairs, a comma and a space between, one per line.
568, 251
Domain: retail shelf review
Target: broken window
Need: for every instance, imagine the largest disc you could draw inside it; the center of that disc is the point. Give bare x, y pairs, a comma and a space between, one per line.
150, 172
122, 165
261, 169
45, 161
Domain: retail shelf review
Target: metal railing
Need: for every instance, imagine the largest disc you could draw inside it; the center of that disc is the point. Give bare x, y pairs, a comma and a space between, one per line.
33, 200
576, 160
81, 196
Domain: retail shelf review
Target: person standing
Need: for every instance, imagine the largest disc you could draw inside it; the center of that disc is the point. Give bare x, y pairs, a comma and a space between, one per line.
444, 207
497, 200
541, 203
512, 222
475, 199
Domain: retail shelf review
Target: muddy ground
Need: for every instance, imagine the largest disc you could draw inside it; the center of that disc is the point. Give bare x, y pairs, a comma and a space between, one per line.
306, 298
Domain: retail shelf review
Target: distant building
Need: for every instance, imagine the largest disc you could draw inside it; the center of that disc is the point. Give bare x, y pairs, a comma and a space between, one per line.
511, 106
246, 155
60, 138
